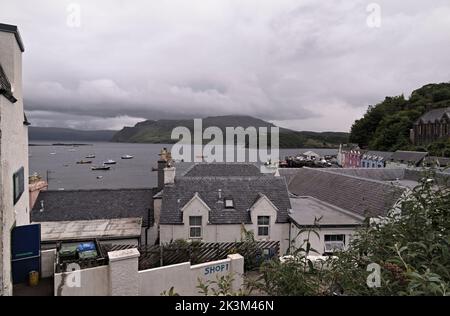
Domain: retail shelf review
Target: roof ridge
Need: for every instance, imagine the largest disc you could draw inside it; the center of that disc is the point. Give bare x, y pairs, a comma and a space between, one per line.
354, 177
102, 189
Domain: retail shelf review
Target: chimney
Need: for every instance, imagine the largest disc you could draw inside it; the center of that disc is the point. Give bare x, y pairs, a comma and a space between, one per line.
165, 160
36, 185
162, 164
169, 175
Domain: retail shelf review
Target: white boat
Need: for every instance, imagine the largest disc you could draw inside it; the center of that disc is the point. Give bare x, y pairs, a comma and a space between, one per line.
90, 156
127, 157
109, 162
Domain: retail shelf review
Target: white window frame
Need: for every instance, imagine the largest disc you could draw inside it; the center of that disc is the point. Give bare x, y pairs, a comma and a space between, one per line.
231, 203
334, 245
263, 225
196, 226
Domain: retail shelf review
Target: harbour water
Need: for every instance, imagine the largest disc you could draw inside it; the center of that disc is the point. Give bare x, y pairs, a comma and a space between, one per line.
58, 164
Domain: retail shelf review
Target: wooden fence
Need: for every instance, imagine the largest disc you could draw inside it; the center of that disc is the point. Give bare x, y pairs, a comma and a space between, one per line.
254, 253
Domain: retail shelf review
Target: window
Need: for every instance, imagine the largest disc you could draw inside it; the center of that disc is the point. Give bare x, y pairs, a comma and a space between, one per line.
263, 225
229, 203
18, 184
195, 227
334, 243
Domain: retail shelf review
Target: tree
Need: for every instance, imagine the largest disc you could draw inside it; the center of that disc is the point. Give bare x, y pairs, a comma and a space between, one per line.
411, 247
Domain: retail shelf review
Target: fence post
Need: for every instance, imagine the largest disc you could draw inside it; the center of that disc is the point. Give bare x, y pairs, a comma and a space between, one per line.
237, 270
123, 272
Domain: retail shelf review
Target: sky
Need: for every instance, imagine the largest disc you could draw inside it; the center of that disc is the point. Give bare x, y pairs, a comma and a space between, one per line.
302, 64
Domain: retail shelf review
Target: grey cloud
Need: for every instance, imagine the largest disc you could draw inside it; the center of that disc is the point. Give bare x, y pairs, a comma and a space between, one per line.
300, 63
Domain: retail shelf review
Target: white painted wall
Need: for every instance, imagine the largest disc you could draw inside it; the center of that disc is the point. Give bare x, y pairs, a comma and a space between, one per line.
48, 263
13, 156
121, 277
319, 243
93, 282
184, 277
230, 232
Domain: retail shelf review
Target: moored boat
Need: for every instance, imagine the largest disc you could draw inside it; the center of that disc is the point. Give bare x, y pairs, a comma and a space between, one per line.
127, 157
83, 162
109, 162
90, 156
101, 168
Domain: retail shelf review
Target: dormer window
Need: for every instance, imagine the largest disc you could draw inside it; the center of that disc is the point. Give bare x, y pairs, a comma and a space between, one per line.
229, 203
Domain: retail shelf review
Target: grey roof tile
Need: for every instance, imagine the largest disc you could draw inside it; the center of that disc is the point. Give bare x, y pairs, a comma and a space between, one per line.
362, 196
433, 115
79, 205
243, 190
409, 156
223, 170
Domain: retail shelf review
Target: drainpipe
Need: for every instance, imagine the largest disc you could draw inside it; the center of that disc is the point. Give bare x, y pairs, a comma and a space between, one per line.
289, 242
148, 227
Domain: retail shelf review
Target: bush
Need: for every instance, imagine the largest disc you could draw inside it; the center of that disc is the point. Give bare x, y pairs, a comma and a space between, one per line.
411, 247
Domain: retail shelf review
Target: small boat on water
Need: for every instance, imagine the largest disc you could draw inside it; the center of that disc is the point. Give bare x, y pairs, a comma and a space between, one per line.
90, 157
127, 157
109, 162
83, 162
94, 168
52, 153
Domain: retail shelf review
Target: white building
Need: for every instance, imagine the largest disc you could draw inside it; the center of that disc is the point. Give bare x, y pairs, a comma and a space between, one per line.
14, 200
342, 199
211, 202
333, 226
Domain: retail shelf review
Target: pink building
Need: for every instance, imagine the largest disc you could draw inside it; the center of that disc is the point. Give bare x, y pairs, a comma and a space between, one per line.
352, 159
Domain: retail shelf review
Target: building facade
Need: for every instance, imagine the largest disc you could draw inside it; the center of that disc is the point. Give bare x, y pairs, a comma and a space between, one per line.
431, 126
14, 200
212, 203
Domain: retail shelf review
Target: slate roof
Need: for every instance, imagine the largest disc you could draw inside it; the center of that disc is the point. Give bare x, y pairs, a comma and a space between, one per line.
362, 196
288, 173
433, 115
380, 174
100, 228
78, 205
386, 155
408, 156
244, 191
306, 209
223, 170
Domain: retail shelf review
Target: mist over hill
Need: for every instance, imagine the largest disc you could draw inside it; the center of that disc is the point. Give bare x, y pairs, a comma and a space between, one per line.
159, 131
68, 134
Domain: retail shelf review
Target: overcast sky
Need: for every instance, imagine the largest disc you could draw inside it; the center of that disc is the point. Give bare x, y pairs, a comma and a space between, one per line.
303, 64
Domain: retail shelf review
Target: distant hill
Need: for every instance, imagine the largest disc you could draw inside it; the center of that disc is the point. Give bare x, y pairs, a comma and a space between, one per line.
386, 125
67, 134
160, 131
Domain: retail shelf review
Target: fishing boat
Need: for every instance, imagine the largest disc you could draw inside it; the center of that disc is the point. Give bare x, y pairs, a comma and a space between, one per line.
109, 162
90, 157
83, 162
94, 168
127, 157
